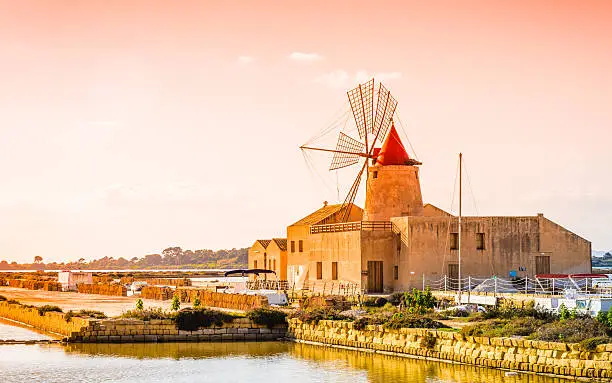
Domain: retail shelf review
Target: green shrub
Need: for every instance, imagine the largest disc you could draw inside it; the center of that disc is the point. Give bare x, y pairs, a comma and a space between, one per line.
191, 319
139, 304
509, 310
420, 301
602, 317
147, 314
90, 314
504, 327
315, 314
196, 302
571, 330
267, 317
68, 316
609, 317
590, 344
175, 305
48, 308
564, 313
458, 313
375, 302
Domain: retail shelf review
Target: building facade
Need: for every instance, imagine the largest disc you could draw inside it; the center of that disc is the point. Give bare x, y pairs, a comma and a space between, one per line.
396, 242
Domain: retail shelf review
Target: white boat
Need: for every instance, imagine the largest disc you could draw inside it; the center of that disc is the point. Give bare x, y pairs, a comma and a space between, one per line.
270, 289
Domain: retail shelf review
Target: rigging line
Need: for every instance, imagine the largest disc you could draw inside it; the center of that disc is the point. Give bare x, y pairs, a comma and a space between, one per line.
312, 169
329, 128
470, 186
450, 216
406, 135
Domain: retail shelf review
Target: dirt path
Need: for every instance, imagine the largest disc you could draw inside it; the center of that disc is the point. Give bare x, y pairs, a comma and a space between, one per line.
110, 305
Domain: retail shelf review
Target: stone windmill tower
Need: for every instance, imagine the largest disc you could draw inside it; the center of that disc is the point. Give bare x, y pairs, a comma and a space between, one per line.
392, 186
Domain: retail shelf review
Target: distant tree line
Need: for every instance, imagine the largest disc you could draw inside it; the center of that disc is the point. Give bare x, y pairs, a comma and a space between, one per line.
172, 257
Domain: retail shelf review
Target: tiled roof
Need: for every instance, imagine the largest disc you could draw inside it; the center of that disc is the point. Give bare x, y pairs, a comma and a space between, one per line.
264, 242
281, 243
319, 215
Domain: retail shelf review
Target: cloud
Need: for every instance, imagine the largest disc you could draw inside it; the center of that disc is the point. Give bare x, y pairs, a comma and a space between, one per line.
305, 57
342, 79
246, 59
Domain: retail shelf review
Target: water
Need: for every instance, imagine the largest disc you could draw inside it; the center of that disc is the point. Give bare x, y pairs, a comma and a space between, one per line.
272, 362
9, 330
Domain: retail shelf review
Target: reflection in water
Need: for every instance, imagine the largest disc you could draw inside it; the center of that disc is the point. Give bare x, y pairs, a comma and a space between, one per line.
383, 368
181, 350
302, 362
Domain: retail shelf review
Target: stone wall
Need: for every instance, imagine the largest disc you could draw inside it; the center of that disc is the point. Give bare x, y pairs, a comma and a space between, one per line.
164, 330
130, 330
508, 353
51, 322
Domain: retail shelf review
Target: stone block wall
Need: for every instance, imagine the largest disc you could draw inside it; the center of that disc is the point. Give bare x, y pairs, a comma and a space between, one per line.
51, 322
508, 353
164, 330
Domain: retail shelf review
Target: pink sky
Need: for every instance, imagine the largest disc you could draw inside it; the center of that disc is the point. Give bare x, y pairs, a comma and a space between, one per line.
130, 126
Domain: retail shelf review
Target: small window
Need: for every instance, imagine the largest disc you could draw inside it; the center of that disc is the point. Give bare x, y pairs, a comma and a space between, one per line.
254, 264
265, 261
480, 241
454, 241
375, 174
335, 271
396, 272
293, 246
273, 264
319, 270
301, 245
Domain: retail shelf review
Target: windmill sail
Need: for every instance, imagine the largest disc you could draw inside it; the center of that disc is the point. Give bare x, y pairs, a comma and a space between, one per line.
347, 152
362, 105
385, 108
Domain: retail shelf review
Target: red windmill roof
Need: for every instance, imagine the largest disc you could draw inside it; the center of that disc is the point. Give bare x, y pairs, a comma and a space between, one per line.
393, 151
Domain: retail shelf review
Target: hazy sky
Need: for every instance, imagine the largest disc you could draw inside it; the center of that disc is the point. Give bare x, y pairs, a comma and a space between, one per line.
129, 126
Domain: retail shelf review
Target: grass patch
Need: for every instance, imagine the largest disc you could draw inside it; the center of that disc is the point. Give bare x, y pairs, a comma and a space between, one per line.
571, 330
148, 314
84, 314
42, 310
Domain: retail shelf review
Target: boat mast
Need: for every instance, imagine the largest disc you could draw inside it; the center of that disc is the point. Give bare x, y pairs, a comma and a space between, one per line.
459, 231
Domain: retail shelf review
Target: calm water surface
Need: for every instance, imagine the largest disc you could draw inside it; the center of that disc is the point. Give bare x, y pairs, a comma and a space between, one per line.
272, 362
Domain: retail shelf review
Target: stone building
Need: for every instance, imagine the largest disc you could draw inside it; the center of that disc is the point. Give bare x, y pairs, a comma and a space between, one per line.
396, 241
270, 254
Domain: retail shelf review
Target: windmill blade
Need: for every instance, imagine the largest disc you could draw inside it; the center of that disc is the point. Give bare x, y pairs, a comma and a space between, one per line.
350, 197
362, 105
385, 108
347, 152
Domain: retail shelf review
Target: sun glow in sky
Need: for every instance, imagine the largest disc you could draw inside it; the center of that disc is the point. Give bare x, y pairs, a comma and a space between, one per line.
130, 126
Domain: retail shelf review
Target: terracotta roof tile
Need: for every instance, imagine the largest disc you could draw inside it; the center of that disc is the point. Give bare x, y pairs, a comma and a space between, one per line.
281, 243
264, 242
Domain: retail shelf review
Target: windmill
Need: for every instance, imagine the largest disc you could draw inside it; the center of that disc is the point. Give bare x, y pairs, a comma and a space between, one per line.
373, 122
